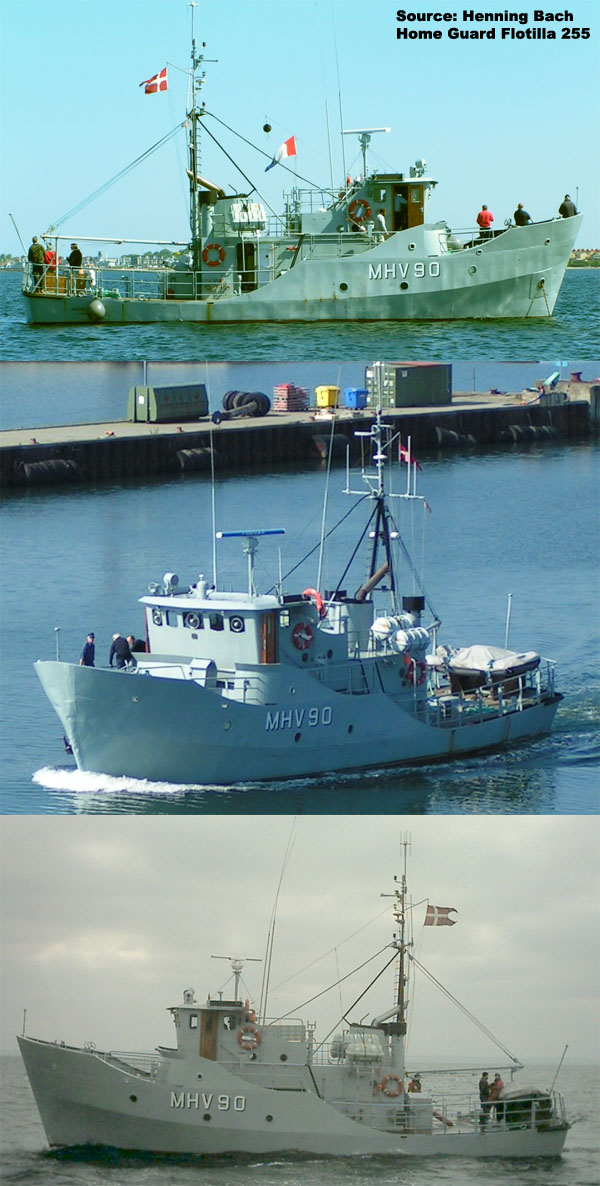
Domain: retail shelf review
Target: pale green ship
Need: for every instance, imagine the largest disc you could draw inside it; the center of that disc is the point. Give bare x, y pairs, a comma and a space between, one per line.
240, 1081
363, 251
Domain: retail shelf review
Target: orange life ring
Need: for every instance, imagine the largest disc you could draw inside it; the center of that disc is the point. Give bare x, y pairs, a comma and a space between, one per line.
391, 1086
302, 636
206, 255
362, 205
318, 600
249, 1037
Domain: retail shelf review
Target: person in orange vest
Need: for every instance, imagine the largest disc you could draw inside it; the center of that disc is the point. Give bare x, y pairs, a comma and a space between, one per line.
495, 1089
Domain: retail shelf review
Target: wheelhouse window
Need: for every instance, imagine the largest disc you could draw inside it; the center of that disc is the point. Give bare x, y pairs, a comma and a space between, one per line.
216, 621
193, 1021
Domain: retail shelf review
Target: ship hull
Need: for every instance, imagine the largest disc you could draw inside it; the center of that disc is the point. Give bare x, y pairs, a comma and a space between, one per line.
516, 275
125, 724
85, 1098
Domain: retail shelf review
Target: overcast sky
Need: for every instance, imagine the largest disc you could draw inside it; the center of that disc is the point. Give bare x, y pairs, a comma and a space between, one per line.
106, 920
499, 120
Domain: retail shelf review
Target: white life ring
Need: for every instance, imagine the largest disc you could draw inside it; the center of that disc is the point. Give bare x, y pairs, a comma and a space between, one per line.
391, 1086
359, 210
209, 260
302, 636
249, 1037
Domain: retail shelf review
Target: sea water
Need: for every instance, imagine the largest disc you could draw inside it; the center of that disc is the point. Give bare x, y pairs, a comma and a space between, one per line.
573, 331
521, 520
26, 1158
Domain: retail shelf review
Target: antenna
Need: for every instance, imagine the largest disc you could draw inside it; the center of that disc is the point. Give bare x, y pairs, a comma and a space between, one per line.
364, 139
237, 963
251, 538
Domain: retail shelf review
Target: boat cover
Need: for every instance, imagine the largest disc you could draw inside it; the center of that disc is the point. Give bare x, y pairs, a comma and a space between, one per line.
492, 659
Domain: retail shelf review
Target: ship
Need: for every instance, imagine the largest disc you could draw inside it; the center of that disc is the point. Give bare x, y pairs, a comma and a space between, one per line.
250, 686
241, 1082
361, 251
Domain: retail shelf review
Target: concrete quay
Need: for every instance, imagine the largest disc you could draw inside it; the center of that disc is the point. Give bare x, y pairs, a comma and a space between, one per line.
113, 451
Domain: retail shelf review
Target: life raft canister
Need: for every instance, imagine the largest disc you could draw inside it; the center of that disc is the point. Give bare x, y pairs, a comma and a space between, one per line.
213, 261
359, 210
249, 1037
315, 596
302, 636
391, 1086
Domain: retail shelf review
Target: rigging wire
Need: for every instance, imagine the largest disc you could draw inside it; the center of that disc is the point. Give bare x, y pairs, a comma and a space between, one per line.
467, 1013
117, 177
335, 984
267, 155
264, 990
318, 545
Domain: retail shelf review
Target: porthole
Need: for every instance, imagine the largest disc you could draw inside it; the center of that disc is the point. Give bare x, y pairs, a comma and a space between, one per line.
269, 1118
404, 286
472, 270
157, 617
330, 654
411, 246
343, 287
192, 621
133, 1099
283, 1057
546, 242
207, 1116
479, 251
297, 736
351, 728
237, 625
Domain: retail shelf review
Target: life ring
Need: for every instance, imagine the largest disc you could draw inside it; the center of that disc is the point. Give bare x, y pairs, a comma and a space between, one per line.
206, 255
302, 636
415, 671
391, 1086
318, 600
361, 205
249, 1037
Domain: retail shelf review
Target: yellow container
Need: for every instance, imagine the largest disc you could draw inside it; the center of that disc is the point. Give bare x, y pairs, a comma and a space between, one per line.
327, 397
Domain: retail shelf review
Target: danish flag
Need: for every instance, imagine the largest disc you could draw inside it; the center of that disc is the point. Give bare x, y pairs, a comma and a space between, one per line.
437, 916
158, 82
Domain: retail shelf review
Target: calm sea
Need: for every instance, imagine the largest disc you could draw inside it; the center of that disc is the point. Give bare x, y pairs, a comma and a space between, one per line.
521, 520
573, 331
26, 1159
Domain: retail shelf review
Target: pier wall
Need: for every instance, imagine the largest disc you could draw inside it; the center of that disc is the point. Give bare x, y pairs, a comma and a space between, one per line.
109, 453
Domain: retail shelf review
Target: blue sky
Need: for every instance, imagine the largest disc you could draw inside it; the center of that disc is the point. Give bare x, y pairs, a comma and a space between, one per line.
497, 121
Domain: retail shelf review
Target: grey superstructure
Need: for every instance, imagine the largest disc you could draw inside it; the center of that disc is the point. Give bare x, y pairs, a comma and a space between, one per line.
246, 686
326, 257
241, 1082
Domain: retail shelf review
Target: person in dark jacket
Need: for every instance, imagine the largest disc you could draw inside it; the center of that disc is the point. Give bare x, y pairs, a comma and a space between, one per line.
567, 208
35, 255
136, 644
484, 1096
75, 259
521, 216
88, 654
120, 652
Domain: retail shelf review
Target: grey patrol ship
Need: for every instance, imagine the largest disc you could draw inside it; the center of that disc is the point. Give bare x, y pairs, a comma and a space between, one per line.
241, 1082
250, 686
324, 258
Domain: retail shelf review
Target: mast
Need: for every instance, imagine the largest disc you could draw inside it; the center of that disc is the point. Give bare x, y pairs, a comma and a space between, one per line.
194, 116
400, 941
393, 1023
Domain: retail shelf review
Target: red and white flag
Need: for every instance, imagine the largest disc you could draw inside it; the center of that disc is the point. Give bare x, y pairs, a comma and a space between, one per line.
285, 150
406, 456
438, 916
158, 82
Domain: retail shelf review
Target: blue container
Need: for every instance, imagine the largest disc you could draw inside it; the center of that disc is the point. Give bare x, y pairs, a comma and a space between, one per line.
355, 397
